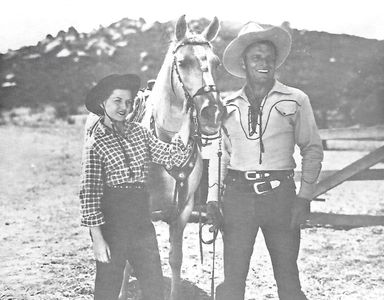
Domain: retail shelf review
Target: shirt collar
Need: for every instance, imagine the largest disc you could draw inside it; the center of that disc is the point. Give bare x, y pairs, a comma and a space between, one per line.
102, 129
278, 87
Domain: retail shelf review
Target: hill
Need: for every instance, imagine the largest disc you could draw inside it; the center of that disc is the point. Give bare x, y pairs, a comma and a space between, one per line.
342, 74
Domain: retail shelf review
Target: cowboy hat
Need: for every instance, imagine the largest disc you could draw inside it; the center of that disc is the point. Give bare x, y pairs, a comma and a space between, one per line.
104, 88
250, 33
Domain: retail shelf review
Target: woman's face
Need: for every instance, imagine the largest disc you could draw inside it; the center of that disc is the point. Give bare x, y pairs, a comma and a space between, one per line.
119, 104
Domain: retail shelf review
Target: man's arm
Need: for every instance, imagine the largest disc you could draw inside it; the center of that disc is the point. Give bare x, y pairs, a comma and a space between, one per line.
311, 149
308, 139
219, 148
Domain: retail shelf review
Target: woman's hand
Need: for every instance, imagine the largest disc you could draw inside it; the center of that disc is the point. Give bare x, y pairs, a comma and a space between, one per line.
100, 246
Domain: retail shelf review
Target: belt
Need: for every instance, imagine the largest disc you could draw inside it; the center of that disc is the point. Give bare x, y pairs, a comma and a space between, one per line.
134, 186
259, 182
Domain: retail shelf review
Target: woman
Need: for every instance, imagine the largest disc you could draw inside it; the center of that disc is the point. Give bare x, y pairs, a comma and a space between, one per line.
113, 196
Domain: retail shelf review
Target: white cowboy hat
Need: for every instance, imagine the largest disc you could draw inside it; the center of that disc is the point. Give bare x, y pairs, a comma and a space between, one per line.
249, 34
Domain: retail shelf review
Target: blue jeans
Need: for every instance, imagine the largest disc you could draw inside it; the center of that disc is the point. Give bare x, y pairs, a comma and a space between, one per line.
246, 212
130, 235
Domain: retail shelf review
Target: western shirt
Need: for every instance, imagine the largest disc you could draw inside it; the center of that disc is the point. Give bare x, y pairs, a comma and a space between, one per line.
286, 120
104, 163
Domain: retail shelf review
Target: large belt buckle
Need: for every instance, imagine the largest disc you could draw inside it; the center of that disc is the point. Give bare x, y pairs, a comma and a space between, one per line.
270, 185
256, 187
252, 175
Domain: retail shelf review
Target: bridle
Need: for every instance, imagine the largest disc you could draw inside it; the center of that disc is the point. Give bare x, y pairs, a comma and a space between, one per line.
205, 89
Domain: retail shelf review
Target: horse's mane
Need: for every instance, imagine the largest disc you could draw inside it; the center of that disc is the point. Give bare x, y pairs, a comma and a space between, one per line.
140, 106
163, 75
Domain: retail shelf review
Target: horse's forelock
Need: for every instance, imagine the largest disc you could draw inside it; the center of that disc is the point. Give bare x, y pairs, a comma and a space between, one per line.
194, 38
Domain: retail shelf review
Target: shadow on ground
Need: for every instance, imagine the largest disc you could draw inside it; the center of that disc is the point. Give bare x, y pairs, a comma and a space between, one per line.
189, 290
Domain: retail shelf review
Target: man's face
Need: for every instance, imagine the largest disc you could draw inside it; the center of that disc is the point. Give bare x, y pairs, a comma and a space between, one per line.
260, 62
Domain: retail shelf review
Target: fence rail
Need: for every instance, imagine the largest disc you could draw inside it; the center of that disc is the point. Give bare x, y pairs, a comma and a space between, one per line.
357, 170
368, 133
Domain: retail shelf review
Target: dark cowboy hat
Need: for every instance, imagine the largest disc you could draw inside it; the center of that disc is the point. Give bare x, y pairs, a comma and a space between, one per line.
253, 32
104, 88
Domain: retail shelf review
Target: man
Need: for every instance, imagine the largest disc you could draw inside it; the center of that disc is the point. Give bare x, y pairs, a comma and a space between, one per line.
264, 122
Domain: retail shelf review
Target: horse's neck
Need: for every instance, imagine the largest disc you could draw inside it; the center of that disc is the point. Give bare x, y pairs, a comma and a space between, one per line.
166, 108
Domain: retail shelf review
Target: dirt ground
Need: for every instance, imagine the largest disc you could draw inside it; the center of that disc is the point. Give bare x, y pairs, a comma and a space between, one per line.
45, 254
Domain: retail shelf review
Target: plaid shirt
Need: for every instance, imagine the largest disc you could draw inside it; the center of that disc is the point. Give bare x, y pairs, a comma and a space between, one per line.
104, 163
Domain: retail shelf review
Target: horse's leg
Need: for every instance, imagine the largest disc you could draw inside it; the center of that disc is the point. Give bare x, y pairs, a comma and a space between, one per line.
176, 229
124, 286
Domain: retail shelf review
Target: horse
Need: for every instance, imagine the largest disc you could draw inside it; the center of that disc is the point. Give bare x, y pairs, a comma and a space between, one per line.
185, 80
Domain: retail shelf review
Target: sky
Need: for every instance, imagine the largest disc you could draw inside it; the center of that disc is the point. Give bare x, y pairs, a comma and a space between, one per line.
25, 22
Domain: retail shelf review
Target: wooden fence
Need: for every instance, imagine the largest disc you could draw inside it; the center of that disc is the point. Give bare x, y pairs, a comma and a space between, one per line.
357, 170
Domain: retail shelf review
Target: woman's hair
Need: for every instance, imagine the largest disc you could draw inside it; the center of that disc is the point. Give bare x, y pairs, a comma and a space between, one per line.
104, 88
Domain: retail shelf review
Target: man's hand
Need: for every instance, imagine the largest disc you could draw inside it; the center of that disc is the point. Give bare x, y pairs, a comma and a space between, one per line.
300, 211
214, 216
100, 246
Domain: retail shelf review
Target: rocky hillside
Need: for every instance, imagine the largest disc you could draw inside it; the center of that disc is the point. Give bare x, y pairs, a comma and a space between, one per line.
343, 75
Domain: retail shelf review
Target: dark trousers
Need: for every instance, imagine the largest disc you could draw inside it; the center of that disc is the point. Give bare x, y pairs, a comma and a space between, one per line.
131, 236
244, 214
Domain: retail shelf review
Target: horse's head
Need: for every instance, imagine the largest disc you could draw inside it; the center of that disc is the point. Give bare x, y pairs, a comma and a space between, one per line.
193, 74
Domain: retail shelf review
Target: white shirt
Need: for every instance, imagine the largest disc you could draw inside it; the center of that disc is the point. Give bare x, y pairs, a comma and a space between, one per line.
287, 120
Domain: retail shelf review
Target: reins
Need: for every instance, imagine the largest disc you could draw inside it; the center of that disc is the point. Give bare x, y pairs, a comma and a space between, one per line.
216, 231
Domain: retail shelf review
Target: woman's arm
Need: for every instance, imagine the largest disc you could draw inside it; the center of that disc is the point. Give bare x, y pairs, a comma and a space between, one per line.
91, 188
174, 153
91, 191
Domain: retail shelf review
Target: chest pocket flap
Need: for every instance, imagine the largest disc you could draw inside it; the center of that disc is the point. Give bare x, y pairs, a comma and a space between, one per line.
287, 107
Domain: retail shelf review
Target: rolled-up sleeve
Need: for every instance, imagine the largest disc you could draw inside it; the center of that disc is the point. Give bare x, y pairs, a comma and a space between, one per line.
91, 188
308, 139
167, 154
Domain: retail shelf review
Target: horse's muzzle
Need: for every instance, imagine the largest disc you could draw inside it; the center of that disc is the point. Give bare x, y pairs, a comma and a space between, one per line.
210, 118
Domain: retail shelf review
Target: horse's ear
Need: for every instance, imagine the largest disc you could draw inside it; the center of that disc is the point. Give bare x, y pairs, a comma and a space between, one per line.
181, 28
211, 31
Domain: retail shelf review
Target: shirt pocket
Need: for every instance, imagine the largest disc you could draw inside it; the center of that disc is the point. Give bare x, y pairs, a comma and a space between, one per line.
287, 108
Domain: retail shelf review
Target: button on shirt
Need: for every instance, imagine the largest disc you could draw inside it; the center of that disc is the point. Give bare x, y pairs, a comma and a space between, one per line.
104, 163
287, 120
